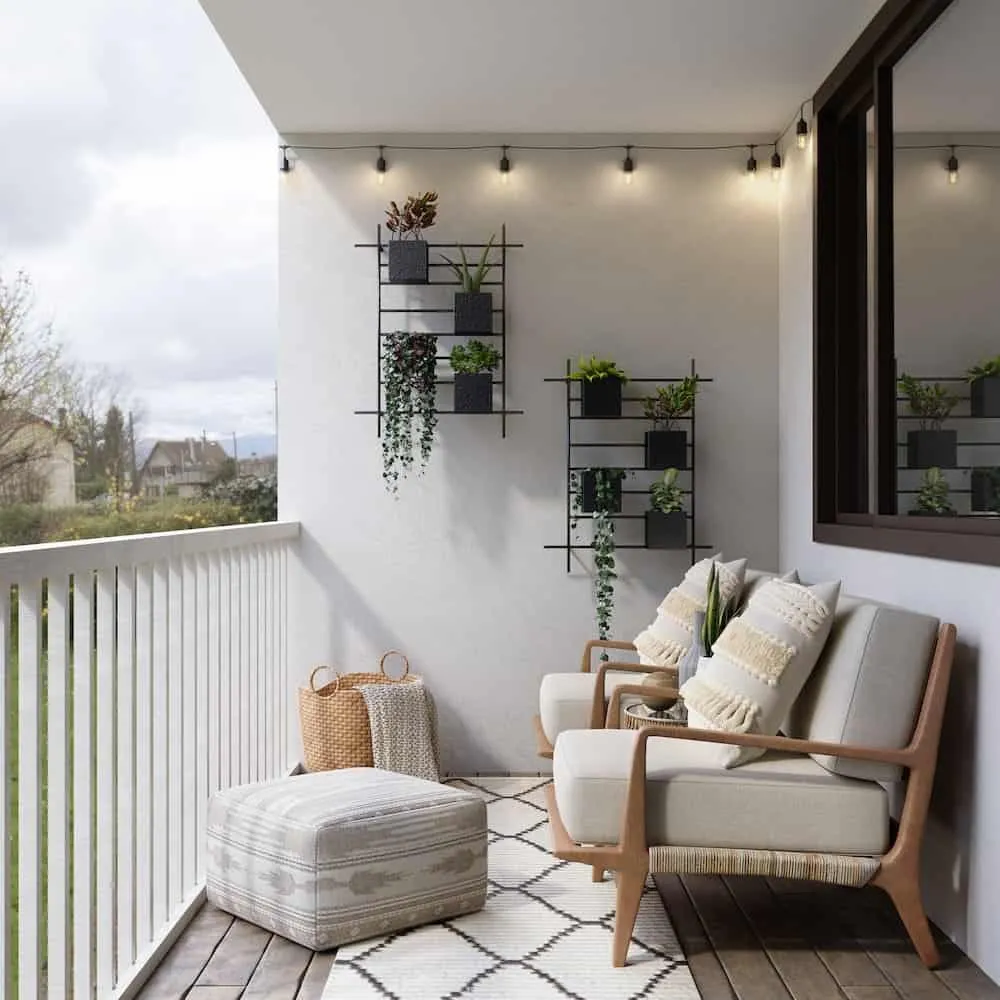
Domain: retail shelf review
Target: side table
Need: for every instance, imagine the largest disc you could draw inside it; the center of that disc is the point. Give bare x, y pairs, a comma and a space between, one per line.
638, 716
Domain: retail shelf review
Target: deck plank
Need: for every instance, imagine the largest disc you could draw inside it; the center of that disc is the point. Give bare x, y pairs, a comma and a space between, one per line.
737, 948
317, 975
214, 993
184, 962
870, 993
236, 957
280, 971
968, 982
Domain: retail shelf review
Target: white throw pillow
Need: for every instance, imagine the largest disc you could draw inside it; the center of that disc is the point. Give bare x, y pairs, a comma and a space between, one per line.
760, 663
667, 640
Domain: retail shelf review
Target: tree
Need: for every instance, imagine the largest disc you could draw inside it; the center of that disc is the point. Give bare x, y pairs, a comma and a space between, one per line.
35, 389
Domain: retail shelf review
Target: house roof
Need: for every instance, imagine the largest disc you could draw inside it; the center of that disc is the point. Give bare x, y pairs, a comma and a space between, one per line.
188, 454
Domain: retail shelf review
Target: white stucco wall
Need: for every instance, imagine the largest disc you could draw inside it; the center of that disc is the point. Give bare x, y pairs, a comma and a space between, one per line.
961, 865
681, 263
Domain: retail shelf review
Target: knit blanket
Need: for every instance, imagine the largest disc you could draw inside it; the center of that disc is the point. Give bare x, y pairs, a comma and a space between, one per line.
404, 728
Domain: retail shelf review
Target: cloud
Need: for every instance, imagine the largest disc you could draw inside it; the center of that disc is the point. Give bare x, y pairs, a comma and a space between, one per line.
140, 192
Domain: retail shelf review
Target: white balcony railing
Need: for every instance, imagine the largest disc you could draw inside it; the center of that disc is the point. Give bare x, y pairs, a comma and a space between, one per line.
139, 675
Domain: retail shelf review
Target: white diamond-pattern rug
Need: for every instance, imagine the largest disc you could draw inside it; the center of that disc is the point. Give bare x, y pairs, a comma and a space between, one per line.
545, 933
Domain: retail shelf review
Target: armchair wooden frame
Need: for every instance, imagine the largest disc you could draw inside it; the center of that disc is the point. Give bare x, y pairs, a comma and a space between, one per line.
897, 872
597, 709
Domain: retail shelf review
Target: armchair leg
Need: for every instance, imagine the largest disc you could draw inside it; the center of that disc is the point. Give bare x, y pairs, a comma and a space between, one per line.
905, 895
597, 873
630, 886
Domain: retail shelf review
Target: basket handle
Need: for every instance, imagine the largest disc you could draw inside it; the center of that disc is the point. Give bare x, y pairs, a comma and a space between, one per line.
406, 664
312, 681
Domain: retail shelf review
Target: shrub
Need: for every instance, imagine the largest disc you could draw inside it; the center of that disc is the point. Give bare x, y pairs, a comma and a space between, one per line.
179, 515
256, 497
22, 524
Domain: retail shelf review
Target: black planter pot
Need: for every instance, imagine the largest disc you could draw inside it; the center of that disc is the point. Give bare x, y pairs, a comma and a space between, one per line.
927, 449
666, 450
473, 393
984, 396
986, 490
590, 493
666, 531
602, 398
473, 312
408, 262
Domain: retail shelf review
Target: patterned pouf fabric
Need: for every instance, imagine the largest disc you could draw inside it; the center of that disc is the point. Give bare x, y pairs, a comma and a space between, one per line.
338, 856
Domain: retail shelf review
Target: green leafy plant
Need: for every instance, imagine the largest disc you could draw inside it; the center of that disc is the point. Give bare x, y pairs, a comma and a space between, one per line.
990, 368
474, 358
472, 280
255, 496
665, 495
671, 402
933, 495
930, 403
593, 369
718, 613
410, 385
419, 212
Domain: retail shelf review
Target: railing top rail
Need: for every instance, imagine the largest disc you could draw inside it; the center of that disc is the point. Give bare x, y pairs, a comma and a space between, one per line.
41, 561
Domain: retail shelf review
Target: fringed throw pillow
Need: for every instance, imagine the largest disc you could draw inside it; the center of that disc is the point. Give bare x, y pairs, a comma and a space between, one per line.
760, 663
668, 639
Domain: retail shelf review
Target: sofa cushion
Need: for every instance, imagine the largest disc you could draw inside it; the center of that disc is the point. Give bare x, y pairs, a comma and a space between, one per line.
781, 802
666, 641
565, 700
868, 684
760, 663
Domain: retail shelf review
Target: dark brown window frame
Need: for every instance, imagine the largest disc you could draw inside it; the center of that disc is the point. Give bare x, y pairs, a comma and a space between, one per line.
842, 509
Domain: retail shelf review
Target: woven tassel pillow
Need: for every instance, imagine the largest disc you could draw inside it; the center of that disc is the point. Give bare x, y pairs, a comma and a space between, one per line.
667, 640
760, 663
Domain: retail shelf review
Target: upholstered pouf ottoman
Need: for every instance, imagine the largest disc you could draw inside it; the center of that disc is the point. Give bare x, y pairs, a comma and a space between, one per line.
337, 856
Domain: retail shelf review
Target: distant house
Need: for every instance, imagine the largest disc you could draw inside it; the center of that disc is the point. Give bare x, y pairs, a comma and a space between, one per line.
37, 464
258, 465
181, 468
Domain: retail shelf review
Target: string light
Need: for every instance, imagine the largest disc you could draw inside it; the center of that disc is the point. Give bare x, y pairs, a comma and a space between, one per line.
775, 164
504, 165
953, 167
285, 164
802, 129
752, 162
380, 166
629, 165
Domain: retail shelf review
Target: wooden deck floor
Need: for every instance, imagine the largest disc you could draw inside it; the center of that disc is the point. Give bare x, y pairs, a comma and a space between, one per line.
745, 939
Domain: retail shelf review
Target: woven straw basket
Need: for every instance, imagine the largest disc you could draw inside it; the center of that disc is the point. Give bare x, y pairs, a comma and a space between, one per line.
336, 731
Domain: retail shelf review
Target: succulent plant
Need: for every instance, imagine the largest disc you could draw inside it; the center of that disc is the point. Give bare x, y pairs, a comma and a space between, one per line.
593, 369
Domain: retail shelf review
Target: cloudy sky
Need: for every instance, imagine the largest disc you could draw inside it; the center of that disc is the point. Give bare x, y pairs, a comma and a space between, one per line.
138, 188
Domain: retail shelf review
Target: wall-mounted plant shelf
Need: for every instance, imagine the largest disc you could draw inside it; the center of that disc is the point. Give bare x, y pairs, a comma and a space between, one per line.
578, 442
440, 275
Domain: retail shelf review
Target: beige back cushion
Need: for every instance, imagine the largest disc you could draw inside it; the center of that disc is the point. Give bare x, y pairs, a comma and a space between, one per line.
868, 684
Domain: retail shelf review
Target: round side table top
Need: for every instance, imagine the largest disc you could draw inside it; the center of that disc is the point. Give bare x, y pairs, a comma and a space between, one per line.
637, 715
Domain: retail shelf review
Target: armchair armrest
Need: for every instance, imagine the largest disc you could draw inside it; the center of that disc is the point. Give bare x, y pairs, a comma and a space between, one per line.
603, 644
597, 705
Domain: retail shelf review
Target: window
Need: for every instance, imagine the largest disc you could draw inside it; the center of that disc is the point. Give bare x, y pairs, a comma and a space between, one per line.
906, 298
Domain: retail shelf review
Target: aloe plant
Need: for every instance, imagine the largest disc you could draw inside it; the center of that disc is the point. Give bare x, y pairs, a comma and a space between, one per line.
472, 280
718, 613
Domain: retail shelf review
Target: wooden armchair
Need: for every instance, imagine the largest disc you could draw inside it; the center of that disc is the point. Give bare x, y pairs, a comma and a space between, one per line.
656, 762
590, 700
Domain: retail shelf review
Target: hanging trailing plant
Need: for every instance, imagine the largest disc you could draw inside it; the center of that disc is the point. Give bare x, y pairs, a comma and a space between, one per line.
409, 383
606, 499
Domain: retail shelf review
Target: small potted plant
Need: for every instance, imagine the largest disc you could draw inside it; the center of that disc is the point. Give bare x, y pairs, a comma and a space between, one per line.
932, 500
601, 381
984, 388
473, 307
986, 490
599, 489
408, 249
474, 364
931, 446
666, 521
666, 447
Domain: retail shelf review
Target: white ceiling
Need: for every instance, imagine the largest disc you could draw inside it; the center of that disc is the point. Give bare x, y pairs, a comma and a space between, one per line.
950, 80
536, 65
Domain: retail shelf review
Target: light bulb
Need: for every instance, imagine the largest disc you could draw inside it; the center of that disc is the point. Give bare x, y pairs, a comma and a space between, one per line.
628, 166
953, 167
775, 165
380, 177
801, 129
628, 177
504, 166
752, 163
380, 166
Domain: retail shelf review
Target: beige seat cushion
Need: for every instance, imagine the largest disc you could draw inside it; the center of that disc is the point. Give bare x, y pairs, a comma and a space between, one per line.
565, 700
780, 802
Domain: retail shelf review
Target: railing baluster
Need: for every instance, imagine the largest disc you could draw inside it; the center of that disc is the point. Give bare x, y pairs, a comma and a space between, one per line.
83, 764
190, 722
58, 814
252, 624
29, 857
143, 757
126, 822
175, 736
225, 666
214, 708
247, 773
267, 663
203, 751
7, 960
105, 757
291, 742
161, 745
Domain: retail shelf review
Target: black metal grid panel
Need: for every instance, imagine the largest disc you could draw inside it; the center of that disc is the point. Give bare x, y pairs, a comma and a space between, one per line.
693, 546
503, 246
